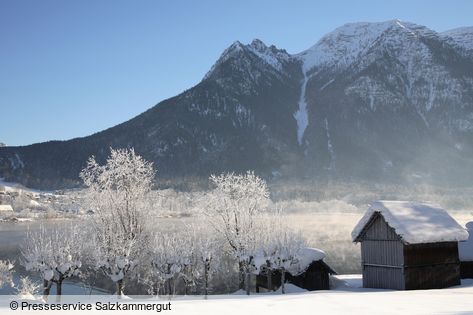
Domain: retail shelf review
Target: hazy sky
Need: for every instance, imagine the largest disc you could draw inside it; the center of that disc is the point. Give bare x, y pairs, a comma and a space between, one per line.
72, 68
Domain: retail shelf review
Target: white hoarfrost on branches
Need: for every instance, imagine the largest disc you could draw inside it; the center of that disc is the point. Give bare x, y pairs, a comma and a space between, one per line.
208, 252
53, 253
118, 194
233, 208
281, 250
182, 263
27, 289
167, 261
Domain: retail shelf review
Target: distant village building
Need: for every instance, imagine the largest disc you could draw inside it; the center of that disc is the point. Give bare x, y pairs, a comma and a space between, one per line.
408, 245
311, 274
465, 250
5, 209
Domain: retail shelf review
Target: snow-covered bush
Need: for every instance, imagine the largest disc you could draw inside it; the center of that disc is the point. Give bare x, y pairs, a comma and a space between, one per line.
27, 288
118, 194
55, 254
6, 273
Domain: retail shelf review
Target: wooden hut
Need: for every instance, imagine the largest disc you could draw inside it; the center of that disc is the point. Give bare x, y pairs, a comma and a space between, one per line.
315, 277
408, 245
311, 273
465, 250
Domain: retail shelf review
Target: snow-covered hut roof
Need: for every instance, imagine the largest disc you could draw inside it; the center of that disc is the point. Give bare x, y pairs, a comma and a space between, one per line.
465, 249
306, 257
6, 208
414, 222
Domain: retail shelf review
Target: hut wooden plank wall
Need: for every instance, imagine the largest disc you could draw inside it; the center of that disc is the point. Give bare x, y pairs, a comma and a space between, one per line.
390, 261
315, 277
382, 256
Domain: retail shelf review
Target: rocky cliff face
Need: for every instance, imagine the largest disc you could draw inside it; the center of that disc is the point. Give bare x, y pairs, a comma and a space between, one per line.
371, 101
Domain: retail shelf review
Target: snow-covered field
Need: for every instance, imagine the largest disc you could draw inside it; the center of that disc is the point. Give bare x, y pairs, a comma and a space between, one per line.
346, 298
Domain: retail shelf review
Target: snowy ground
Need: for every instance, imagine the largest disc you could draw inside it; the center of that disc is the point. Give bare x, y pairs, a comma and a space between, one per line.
346, 298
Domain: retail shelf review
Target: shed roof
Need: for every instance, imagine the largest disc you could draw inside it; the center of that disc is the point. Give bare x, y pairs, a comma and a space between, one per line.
414, 222
6, 208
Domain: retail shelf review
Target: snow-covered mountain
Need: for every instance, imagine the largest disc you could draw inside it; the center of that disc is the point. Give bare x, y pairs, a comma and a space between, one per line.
379, 101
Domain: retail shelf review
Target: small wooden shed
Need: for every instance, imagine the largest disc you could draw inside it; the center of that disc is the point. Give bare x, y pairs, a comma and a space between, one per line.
408, 245
315, 277
465, 250
311, 273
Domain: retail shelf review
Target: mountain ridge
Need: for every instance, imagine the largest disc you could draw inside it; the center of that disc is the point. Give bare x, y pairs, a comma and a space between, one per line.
378, 101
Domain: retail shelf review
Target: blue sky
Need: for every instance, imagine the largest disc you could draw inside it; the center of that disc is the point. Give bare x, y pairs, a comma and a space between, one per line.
72, 68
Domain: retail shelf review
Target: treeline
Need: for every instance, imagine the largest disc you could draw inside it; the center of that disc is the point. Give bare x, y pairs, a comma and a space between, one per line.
240, 236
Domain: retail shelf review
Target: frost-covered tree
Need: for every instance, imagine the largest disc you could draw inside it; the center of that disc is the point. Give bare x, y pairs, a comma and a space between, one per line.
6, 273
207, 250
55, 254
233, 208
167, 261
189, 259
207, 256
287, 255
117, 193
281, 250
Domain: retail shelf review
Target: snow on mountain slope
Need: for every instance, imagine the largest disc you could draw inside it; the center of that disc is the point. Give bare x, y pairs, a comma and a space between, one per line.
368, 100
272, 56
301, 115
343, 46
462, 37
346, 44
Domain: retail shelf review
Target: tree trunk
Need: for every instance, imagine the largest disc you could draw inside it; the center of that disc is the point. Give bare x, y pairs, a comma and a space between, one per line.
248, 278
169, 287
241, 269
206, 281
269, 279
46, 288
283, 279
59, 290
120, 288
156, 289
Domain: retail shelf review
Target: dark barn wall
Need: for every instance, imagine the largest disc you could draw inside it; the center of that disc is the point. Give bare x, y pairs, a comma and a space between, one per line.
431, 265
432, 277
431, 254
466, 269
316, 277
262, 281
